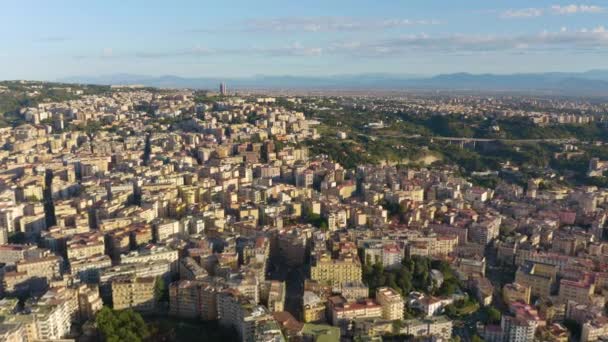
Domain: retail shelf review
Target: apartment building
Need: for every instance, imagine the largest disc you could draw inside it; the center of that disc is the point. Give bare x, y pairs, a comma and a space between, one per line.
152, 253
579, 290
88, 269
313, 308
467, 268
538, 276
515, 292
392, 303
32, 275
85, 245
54, 313
241, 314
485, 231
134, 292
184, 299
354, 291
343, 312
521, 324
11, 254
272, 295
165, 229
12, 333
195, 299
594, 329
433, 327
324, 269
89, 301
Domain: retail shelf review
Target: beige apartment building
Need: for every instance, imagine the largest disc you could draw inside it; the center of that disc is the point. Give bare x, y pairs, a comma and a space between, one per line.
194, 299
133, 292
313, 308
515, 292
594, 329
538, 276
578, 290
438, 327
343, 312
391, 302
85, 245
345, 269
89, 302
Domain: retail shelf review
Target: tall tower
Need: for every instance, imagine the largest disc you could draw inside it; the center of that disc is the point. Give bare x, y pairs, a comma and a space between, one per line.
223, 89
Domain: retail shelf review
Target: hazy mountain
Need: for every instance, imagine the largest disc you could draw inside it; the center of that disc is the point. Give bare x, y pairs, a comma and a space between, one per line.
593, 82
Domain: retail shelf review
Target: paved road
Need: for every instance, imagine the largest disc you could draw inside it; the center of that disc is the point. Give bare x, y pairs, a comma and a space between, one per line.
461, 139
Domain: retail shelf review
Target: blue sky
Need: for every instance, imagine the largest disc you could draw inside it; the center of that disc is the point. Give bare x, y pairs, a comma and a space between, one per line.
61, 38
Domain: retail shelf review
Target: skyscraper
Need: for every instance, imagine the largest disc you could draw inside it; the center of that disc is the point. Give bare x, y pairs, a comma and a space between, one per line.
223, 89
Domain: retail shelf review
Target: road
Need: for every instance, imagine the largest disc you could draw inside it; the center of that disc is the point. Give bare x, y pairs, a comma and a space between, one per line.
463, 139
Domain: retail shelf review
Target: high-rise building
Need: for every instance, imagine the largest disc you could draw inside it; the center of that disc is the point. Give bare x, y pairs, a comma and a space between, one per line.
223, 89
196, 298
391, 302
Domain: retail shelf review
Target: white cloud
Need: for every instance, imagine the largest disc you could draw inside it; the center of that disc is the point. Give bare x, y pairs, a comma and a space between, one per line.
325, 24
555, 10
599, 29
584, 40
595, 39
295, 49
107, 52
196, 51
522, 13
575, 9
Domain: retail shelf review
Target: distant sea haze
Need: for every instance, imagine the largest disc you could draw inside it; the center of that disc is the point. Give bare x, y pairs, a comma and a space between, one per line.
592, 83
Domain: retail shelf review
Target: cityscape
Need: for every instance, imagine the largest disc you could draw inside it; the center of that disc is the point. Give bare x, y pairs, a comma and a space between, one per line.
359, 201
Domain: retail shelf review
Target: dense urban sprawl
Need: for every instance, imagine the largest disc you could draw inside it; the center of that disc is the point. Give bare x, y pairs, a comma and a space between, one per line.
130, 213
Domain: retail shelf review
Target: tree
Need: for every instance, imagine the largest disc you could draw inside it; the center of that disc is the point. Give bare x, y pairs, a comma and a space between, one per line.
160, 289
451, 311
17, 237
493, 314
125, 325
323, 226
476, 338
448, 288
574, 327
397, 326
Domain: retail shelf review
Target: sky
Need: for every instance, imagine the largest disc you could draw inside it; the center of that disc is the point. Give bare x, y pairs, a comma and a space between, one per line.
50, 40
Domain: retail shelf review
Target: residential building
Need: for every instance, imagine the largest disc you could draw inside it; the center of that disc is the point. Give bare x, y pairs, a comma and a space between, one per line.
392, 303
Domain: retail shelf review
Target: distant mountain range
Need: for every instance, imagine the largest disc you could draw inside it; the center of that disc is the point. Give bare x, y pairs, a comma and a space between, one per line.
593, 82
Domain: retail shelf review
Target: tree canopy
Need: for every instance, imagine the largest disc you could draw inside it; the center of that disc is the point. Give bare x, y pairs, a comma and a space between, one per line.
413, 274
123, 325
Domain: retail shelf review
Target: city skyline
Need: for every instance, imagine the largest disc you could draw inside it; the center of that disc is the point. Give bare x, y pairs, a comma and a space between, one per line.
52, 41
